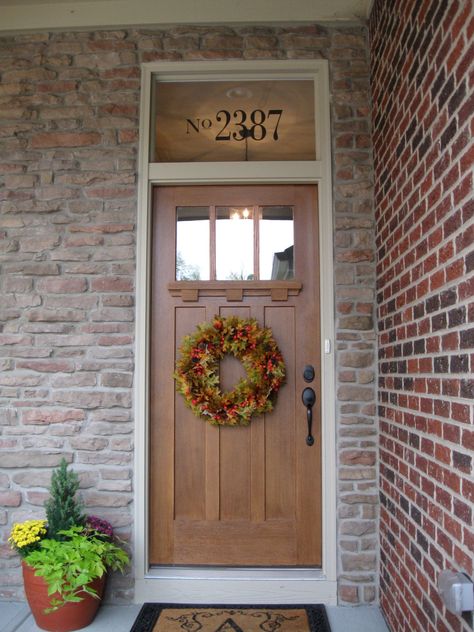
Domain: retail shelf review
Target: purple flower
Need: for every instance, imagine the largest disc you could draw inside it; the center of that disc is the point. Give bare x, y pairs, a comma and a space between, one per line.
93, 523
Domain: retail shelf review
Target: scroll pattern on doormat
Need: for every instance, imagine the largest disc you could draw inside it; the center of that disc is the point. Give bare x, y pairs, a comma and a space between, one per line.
155, 617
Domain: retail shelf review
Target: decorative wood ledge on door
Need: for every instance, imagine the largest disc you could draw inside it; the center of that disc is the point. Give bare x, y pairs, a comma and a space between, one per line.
191, 291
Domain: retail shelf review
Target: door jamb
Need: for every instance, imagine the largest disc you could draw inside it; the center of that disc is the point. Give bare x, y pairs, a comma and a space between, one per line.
279, 585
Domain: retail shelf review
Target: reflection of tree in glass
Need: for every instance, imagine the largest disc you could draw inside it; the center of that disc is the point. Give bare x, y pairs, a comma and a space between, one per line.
239, 276
186, 271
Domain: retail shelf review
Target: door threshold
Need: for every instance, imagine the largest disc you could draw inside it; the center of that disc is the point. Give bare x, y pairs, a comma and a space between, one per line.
206, 572
236, 586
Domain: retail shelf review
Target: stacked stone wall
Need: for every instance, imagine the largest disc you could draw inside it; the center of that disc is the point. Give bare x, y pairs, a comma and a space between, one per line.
69, 106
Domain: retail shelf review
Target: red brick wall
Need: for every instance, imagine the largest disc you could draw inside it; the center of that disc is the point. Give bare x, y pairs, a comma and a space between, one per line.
421, 55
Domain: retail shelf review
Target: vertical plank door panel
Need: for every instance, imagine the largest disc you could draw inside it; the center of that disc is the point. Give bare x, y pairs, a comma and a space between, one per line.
235, 496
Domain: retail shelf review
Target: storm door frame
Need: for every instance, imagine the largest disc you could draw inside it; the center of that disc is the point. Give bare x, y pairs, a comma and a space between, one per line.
250, 585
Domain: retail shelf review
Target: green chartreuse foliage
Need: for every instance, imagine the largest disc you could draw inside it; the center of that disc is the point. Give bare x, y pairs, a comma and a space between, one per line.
63, 508
69, 565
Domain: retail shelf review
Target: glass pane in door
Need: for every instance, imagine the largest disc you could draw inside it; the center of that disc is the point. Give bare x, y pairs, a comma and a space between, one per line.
192, 243
235, 243
276, 254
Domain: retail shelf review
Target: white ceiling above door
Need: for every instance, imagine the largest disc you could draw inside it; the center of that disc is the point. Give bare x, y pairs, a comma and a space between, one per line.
24, 15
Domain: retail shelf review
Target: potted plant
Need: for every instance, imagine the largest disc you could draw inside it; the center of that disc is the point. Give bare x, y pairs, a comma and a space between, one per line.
65, 558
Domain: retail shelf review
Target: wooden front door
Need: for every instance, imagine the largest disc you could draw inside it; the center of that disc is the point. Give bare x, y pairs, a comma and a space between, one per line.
235, 496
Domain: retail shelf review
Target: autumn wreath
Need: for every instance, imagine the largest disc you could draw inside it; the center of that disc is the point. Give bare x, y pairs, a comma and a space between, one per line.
197, 370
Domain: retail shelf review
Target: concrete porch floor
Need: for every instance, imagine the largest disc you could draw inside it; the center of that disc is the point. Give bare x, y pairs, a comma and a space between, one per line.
16, 617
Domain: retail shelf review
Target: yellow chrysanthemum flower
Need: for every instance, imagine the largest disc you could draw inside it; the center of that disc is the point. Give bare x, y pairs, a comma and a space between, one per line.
28, 532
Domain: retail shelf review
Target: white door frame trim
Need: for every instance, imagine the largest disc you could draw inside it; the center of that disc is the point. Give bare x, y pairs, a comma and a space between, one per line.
236, 585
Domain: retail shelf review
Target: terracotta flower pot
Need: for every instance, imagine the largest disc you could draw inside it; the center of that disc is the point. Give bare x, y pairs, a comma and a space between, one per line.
71, 616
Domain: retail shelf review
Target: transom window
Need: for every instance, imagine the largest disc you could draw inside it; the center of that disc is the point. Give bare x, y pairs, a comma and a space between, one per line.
236, 121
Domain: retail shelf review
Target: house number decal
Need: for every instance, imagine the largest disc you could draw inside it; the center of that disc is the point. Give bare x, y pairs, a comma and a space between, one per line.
239, 124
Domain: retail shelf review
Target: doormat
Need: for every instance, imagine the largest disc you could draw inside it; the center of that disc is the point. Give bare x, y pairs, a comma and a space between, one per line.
158, 617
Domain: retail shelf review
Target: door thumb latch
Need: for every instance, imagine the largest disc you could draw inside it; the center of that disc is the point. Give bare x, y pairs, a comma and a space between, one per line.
309, 398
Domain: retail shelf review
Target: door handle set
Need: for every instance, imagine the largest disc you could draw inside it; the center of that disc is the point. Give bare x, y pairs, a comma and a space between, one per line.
309, 399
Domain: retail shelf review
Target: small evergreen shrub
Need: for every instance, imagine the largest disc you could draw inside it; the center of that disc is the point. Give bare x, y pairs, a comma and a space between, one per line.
63, 509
